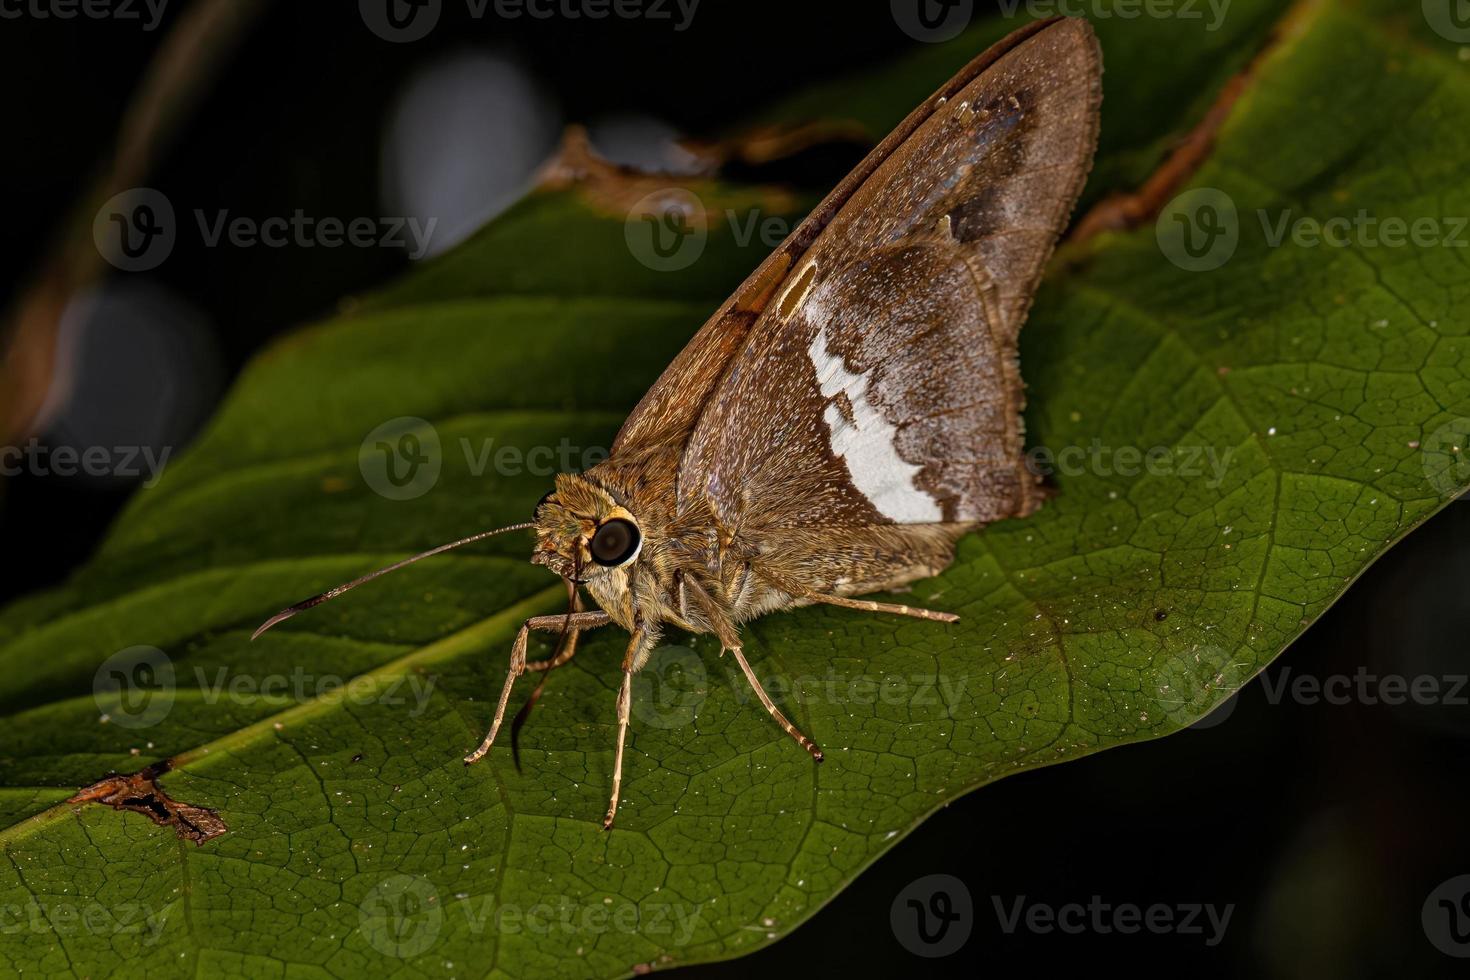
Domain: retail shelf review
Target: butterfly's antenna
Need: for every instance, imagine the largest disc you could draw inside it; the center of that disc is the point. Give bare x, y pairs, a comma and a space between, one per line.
335, 591
525, 712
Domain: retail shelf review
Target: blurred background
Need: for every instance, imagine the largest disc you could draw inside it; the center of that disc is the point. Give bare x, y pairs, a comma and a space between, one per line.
1325, 827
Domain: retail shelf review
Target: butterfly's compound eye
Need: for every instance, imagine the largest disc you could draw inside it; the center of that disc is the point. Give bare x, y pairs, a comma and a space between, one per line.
616, 543
541, 503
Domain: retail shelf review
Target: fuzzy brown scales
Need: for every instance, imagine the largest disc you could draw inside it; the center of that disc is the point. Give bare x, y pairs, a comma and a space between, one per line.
855, 407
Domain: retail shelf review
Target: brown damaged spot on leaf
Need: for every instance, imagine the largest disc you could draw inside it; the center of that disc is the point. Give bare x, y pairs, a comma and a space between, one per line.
773, 142
141, 793
616, 190
1124, 211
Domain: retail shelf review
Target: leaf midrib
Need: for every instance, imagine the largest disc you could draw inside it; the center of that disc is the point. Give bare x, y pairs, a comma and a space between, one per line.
479, 633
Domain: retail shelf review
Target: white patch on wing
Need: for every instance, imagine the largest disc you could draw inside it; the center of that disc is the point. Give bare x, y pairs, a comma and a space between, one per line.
868, 444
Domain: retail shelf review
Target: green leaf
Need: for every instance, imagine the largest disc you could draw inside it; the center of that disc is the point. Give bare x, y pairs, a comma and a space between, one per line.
1337, 380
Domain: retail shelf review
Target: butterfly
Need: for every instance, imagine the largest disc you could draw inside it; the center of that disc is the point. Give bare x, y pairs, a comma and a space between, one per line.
854, 409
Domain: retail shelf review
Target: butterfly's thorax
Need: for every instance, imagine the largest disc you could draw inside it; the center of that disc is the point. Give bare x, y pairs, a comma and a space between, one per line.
705, 575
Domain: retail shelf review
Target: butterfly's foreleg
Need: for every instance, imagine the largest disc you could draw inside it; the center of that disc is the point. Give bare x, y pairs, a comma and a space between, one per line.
638, 647
566, 650
771, 708
881, 607
578, 621
569, 648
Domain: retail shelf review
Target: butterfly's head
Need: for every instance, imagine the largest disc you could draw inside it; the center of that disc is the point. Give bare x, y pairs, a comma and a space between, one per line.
582, 532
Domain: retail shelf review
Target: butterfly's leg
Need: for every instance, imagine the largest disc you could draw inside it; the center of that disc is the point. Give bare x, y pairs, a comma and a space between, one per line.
791, 588
569, 648
882, 607
638, 648
578, 621
730, 640
566, 652
771, 708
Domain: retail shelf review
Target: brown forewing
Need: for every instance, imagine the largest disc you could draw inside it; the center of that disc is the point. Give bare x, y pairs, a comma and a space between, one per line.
879, 384
667, 413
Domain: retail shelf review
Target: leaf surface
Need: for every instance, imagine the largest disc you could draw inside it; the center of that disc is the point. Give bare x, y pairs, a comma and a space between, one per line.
1304, 406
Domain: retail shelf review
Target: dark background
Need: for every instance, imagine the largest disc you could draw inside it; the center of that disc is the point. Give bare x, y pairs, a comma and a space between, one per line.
1325, 825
